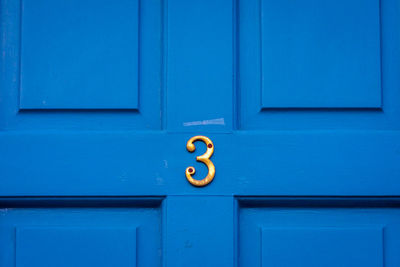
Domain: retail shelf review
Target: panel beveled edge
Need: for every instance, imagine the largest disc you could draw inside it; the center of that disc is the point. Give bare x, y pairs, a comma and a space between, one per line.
72, 201
318, 201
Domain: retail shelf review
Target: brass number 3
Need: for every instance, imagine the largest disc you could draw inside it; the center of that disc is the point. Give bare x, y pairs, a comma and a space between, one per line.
205, 158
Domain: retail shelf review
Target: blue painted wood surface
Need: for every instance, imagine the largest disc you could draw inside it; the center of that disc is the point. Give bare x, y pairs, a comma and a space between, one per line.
199, 74
78, 54
201, 231
318, 232
300, 98
90, 246
331, 48
81, 232
316, 245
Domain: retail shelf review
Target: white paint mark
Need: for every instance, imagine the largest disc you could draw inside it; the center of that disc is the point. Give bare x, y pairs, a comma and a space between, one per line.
219, 121
159, 180
123, 177
3, 212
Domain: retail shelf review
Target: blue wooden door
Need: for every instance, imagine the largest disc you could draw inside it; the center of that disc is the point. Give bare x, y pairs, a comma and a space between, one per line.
300, 99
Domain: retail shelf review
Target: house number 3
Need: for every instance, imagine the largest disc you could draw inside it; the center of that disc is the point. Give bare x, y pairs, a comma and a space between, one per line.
205, 158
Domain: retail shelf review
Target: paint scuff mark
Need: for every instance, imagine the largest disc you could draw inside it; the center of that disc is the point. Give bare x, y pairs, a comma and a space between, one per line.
159, 180
219, 121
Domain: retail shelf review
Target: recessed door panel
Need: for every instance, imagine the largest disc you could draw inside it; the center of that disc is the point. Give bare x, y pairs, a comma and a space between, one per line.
322, 246
92, 65
318, 232
308, 65
75, 246
79, 54
320, 54
81, 232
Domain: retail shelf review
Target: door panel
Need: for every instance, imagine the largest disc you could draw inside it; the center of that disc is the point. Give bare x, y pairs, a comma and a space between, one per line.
91, 65
317, 246
86, 246
81, 232
312, 65
319, 232
60, 46
320, 54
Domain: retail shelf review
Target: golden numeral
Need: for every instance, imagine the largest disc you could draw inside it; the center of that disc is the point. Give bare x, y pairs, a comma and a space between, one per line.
205, 158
